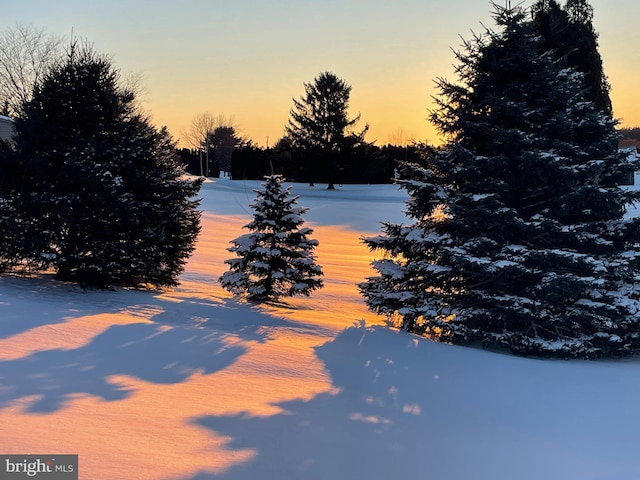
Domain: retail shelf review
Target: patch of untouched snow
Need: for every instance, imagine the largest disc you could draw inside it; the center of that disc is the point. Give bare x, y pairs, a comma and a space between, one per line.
357, 207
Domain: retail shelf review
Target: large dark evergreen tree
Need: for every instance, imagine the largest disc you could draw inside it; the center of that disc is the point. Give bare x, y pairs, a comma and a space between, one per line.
568, 31
320, 131
95, 191
276, 259
519, 239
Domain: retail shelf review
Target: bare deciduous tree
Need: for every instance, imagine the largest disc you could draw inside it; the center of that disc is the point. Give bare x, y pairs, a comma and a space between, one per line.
26, 54
401, 138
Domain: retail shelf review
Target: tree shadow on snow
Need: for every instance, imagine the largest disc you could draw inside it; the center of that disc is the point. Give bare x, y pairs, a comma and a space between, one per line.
146, 351
370, 428
192, 335
414, 409
251, 321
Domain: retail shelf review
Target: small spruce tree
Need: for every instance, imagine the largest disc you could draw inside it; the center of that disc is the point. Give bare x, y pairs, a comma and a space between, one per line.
276, 259
519, 239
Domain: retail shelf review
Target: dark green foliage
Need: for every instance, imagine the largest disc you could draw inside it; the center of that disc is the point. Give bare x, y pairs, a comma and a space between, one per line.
96, 192
519, 239
568, 31
251, 162
276, 259
320, 133
366, 164
223, 141
190, 160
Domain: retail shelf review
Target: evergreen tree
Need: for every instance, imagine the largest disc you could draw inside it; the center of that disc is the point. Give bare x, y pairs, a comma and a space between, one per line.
519, 239
223, 141
570, 34
276, 259
320, 131
96, 193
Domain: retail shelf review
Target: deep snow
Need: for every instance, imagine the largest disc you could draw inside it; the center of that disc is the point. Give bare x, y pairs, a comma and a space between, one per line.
192, 384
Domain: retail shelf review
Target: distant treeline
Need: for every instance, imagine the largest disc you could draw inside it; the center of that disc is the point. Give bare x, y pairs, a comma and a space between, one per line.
629, 137
376, 165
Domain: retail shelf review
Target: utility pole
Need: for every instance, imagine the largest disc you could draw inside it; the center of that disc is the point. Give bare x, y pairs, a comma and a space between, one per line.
207, 156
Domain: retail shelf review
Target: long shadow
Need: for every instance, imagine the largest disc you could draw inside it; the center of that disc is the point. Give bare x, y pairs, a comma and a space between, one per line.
186, 336
247, 320
413, 409
142, 350
370, 429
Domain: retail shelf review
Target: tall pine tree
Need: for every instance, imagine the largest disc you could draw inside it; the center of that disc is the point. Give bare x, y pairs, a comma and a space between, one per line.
320, 131
568, 31
519, 239
276, 259
95, 193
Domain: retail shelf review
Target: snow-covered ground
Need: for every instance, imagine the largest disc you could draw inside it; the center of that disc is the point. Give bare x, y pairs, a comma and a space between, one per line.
190, 384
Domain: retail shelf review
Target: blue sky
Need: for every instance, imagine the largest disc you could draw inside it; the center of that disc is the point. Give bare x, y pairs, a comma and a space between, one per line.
248, 58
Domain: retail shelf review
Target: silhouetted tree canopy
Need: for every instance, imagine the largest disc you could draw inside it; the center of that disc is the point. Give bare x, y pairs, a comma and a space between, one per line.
94, 191
519, 239
568, 31
320, 133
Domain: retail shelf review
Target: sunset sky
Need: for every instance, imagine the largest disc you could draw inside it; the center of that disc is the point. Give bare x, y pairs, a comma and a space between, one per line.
247, 59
